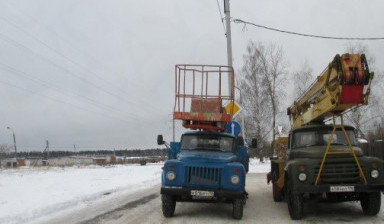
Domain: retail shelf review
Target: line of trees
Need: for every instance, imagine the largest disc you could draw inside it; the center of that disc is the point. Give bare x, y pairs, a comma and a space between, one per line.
6, 153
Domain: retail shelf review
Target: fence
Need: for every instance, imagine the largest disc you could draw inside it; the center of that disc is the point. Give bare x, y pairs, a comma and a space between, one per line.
80, 160
375, 148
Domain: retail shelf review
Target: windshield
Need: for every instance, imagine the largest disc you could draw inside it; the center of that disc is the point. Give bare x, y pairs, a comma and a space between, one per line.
321, 137
207, 142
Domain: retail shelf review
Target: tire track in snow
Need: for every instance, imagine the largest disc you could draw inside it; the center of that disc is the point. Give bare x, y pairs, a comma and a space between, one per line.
129, 205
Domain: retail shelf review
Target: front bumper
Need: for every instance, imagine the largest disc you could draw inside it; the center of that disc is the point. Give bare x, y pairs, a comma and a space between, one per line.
327, 188
185, 192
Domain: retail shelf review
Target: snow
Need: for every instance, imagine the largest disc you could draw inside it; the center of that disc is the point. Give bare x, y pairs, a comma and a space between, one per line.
255, 166
361, 140
29, 194
32, 195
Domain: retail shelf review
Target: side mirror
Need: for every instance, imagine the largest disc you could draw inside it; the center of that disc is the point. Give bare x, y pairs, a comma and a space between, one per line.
254, 143
240, 140
160, 140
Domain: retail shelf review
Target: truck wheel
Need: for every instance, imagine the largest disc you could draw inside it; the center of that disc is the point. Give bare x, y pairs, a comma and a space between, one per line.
370, 203
277, 197
237, 212
168, 205
295, 205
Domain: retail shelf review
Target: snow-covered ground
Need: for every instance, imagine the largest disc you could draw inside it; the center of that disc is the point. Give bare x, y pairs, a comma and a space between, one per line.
28, 194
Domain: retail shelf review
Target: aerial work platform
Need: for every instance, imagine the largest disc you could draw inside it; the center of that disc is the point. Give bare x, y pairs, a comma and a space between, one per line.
200, 93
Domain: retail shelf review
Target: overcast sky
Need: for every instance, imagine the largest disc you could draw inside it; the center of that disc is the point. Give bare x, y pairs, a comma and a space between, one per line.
99, 73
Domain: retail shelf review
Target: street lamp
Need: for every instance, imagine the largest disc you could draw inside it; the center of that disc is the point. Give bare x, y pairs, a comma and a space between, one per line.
14, 140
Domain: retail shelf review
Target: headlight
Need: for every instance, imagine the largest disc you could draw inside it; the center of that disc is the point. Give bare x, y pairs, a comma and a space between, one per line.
171, 175
302, 177
374, 174
235, 179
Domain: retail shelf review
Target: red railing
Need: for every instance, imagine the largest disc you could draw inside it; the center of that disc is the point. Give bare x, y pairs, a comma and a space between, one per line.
200, 93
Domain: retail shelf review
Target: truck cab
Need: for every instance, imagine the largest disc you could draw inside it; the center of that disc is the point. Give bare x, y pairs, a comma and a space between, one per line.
340, 178
205, 166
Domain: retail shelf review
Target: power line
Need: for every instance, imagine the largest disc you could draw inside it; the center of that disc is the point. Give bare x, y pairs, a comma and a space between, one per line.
78, 65
221, 15
56, 51
15, 43
64, 102
307, 35
57, 88
96, 104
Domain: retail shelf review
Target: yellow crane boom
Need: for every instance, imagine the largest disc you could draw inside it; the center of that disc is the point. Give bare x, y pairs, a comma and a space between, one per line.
338, 88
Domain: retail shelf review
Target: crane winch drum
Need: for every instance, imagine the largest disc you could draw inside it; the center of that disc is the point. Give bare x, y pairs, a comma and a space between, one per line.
339, 88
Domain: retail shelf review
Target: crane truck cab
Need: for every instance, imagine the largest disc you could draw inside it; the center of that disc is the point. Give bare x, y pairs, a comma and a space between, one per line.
322, 161
340, 177
205, 166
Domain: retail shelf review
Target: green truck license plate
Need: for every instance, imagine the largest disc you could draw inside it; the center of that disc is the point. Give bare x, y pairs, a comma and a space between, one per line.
342, 188
202, 193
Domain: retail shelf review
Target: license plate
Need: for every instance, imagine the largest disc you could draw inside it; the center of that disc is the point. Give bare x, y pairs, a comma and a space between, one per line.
342, 188
202, 193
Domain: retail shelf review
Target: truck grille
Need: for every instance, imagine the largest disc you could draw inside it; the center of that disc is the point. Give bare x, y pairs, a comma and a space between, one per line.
335, 172
203, 175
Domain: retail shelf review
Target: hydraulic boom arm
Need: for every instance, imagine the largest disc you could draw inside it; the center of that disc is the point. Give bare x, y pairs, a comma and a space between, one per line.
339, 88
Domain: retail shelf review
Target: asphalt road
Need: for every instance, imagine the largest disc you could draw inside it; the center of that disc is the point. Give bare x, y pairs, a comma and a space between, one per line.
145, 207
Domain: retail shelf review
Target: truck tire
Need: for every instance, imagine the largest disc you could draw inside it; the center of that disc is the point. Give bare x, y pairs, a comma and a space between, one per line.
168, 205
295, 205
237, 212
370, 203
277, 197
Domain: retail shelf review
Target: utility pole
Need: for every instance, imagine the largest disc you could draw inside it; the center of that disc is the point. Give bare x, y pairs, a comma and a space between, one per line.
229, 53
47, 148
14, 140
229, 40
46, 152
173, 124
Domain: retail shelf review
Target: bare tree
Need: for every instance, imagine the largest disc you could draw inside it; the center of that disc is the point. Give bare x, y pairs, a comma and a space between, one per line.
376, 132
262, 82
304, 78
273, 72
250, 81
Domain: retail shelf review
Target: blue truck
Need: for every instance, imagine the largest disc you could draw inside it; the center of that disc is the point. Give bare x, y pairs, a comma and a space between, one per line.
207, 165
